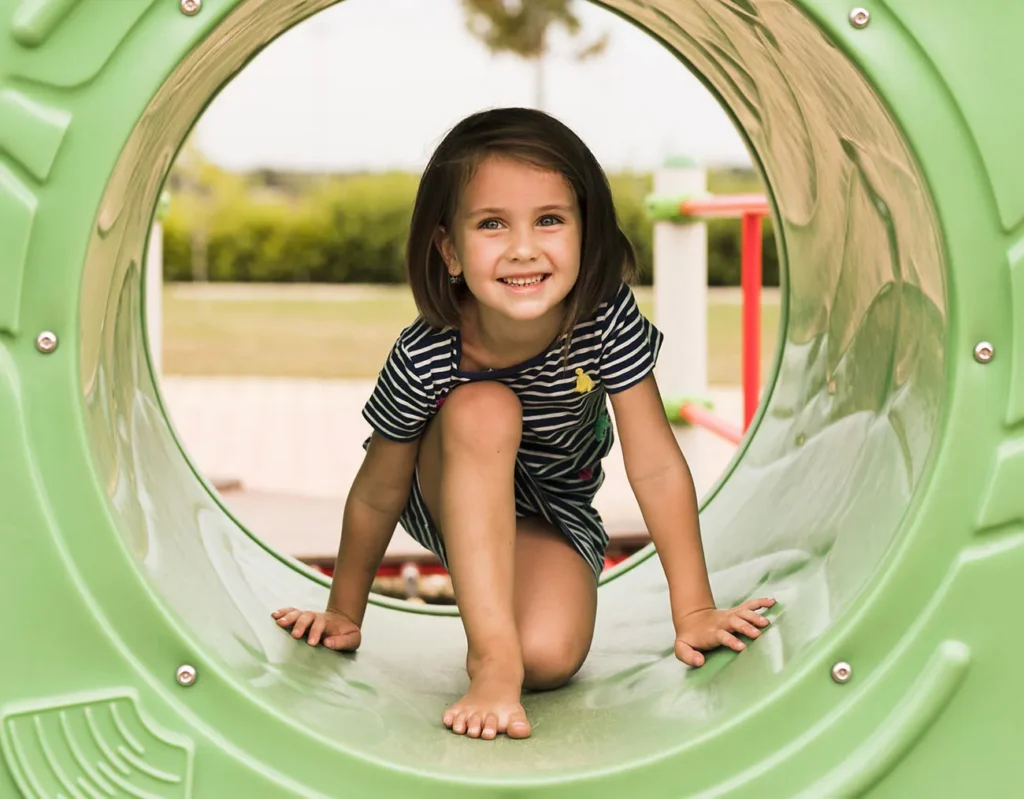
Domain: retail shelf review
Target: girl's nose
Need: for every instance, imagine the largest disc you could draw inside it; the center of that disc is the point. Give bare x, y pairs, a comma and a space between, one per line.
522, 247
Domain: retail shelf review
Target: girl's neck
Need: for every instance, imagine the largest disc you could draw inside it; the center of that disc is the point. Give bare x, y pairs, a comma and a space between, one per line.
496, 342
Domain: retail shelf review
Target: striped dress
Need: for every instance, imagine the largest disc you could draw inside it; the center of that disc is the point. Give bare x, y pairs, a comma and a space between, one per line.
566, 426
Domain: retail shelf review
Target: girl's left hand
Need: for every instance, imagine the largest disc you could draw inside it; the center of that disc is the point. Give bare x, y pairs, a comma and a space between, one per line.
710, 628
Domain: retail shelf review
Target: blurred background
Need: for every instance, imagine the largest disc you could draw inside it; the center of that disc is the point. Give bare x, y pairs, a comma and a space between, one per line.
280, 249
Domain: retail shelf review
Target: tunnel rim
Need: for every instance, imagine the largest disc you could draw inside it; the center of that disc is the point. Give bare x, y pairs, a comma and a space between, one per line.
881, 567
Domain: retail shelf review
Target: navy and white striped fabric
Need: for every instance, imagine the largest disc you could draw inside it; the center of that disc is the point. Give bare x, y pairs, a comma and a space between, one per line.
566, 431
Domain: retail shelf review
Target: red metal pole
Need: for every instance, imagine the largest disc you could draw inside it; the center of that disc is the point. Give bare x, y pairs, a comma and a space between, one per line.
751, 280
701, 417
725, 205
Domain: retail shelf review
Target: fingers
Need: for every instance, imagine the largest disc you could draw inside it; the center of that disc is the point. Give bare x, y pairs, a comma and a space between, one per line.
725, 638
741, 625
302, 623
318, 624
756, 604
289, 616
688, 655
317, 629
754, 618
742, 620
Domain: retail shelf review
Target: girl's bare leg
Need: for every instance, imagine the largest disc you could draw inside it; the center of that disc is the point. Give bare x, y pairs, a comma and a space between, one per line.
556, 604
527, 598
466, 465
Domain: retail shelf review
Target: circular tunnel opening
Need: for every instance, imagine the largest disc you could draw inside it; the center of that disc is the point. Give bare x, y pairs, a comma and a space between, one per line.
807, 513
281, 301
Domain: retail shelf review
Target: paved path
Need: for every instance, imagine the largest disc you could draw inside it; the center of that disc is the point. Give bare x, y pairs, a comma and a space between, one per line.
295, 446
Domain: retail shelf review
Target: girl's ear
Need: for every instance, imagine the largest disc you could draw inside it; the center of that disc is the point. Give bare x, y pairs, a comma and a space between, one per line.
446, 246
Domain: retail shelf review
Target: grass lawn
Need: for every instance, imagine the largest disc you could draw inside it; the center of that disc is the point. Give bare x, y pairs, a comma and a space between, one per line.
346, 331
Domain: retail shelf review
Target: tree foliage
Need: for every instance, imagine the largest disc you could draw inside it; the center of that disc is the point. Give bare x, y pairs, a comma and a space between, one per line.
522, 28
270, 226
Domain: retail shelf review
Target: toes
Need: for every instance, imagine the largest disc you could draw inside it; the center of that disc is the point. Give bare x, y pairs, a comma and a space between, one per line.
474, 726
490, 727
518, 726
474, 723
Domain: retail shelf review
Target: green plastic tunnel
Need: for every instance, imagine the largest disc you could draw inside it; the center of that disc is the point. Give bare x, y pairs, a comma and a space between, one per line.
875, 495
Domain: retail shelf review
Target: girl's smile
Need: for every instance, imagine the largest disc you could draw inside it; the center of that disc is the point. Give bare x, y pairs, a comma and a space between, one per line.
524, 283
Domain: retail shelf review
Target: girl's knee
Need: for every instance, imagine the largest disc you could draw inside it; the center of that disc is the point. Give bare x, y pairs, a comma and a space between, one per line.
483, 414
548, 663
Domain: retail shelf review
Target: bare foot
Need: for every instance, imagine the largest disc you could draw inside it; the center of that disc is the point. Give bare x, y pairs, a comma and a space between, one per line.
491, 706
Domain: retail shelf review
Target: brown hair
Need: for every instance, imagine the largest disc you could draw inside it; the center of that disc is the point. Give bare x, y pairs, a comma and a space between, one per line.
606, 255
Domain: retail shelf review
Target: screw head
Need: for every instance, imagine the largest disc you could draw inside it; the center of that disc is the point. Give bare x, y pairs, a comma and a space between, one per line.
860, 17
191, 7
186, 675
842, 671
46, 342
984, 352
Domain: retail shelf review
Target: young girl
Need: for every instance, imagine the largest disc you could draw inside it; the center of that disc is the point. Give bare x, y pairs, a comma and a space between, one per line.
490, 422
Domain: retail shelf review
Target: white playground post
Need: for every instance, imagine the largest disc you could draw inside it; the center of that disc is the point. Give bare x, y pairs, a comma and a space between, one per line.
681, 286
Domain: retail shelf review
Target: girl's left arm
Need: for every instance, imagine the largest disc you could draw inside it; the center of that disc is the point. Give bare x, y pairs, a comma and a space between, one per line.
661, 481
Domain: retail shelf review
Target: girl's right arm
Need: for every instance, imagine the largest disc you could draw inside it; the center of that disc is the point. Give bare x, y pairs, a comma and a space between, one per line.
378, 495
377, 498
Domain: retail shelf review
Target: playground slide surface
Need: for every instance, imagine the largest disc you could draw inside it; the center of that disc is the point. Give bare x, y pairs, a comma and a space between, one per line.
873, 497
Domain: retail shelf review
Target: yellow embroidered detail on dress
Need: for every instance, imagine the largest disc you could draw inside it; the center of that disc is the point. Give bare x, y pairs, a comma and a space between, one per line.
583, 382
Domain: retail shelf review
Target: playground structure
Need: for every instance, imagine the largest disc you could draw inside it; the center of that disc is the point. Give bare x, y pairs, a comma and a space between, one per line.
681, 291
874, 494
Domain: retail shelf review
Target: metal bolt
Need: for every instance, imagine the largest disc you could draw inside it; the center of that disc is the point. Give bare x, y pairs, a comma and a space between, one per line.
860, 17
46, 342
842, 671
983, 352
191, 7
186, 675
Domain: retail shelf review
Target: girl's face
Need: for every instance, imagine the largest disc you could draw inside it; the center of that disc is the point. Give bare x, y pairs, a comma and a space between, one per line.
516, 239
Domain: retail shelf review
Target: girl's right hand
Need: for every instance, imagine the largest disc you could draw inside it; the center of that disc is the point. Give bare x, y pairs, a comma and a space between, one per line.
336, 630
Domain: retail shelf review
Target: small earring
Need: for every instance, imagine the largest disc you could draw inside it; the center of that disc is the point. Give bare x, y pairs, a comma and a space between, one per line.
454, 279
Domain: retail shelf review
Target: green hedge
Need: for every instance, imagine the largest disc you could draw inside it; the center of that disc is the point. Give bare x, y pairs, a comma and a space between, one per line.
353, 229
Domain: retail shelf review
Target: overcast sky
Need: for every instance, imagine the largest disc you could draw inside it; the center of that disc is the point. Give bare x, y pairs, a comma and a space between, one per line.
374, 84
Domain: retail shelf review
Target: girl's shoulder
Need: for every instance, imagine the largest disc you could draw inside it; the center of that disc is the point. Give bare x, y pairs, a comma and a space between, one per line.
420, 346
418, 335
616, 310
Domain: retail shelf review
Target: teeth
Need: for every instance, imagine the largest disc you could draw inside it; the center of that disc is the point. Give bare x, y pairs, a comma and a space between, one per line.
523, 281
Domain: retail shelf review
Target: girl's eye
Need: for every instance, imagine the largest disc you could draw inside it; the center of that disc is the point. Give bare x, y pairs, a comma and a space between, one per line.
549, 220
489, 224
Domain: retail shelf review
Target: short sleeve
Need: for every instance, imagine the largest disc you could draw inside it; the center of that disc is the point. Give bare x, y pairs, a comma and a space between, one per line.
399, 406
630, 343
